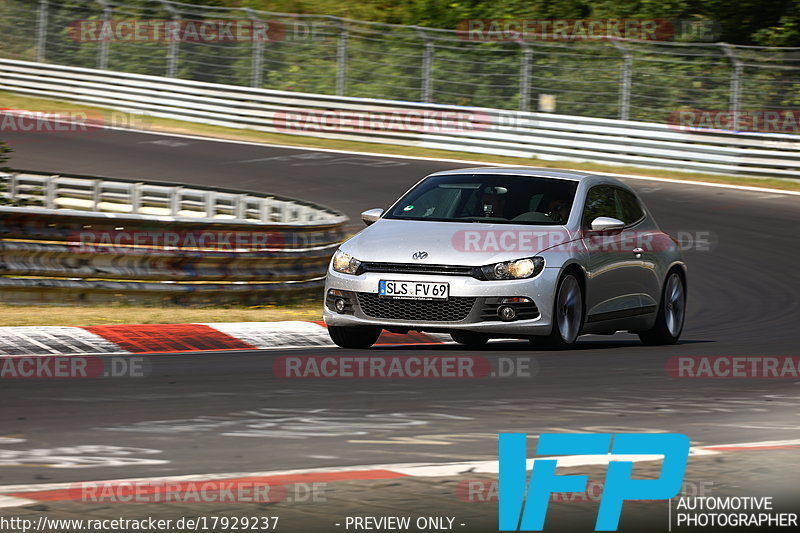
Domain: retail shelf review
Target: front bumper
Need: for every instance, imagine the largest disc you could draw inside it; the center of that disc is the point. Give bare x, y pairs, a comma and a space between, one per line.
539, 289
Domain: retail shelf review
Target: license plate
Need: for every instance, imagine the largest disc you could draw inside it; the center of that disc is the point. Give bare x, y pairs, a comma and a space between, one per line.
413, 290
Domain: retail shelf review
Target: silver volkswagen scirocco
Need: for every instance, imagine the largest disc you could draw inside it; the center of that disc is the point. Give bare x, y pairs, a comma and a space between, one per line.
525, 253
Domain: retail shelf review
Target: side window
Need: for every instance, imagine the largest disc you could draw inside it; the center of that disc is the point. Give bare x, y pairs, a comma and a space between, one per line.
628, 208
600, 202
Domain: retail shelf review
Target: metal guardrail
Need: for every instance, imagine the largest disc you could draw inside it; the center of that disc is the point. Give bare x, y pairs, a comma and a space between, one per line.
106, 195
88, 239
464, 129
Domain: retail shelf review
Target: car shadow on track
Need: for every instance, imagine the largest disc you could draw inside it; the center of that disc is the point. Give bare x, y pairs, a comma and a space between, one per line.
526, 346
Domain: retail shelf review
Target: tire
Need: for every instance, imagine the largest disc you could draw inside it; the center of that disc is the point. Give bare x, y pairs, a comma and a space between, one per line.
568, 315
671, 313
354, 337
469, 338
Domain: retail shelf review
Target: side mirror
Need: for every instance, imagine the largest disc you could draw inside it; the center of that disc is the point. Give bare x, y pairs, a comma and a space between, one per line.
371, 216
607, 223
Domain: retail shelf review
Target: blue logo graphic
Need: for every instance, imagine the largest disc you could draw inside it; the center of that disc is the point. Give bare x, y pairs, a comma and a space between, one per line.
521, 513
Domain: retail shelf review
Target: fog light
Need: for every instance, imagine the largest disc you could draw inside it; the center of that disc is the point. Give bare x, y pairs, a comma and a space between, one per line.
339, 305
506, 312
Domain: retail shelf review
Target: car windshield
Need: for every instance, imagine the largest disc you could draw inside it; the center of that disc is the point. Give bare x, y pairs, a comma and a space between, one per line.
491, 198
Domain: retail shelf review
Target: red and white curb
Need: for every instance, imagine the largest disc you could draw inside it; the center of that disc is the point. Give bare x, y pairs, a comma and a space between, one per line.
20, 495
177, 338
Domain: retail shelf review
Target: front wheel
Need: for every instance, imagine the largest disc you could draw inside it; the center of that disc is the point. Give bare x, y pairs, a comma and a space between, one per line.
354, 337
671, 312
567, 315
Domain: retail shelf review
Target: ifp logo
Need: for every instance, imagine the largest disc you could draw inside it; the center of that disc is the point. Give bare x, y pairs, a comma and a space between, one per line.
521, 513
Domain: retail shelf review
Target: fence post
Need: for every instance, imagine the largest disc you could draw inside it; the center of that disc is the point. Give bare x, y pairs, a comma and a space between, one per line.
426, 94
172, 44
41, 30
625, 81
341, 57
734, 104
525, 76
256, 64
102, 58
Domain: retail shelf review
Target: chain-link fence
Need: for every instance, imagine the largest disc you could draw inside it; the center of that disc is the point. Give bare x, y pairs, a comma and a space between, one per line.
625, 79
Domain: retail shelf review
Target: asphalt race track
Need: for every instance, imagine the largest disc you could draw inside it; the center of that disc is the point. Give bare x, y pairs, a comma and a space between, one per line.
228, 412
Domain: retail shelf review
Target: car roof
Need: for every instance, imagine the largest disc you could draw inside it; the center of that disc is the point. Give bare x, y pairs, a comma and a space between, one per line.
520, 171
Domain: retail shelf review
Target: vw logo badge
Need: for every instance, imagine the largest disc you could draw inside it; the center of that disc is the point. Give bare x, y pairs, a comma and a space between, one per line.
419, 255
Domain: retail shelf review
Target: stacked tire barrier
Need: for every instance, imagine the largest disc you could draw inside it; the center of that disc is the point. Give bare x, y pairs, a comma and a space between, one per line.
80, 239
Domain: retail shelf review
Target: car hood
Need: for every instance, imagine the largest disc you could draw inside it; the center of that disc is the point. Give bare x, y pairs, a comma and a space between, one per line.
450, 243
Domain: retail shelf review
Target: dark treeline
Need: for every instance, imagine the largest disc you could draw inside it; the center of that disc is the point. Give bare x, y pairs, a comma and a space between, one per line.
754, 22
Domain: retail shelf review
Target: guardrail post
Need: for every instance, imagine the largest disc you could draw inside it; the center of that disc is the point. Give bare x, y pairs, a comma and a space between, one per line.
341, 57
625, 81
172, 44
240, 207
525, 76
96, 186
102, 57
426, 91
136, 198
12, 186
257, 61
735, 103
175, 201
264, 210
41, 30
50, 192
210, 205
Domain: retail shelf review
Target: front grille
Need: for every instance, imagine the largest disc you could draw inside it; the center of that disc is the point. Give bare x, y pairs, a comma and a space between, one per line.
414, 268
452, 310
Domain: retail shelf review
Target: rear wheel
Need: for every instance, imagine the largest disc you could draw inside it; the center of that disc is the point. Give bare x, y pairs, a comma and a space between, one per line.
469, 338
354, 337
567, 315
671, 312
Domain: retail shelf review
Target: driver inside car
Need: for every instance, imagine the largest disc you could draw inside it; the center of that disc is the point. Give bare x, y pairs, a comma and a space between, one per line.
558, 209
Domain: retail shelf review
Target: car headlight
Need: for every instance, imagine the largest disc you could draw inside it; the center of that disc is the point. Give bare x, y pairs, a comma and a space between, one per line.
345, 263
520, 269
